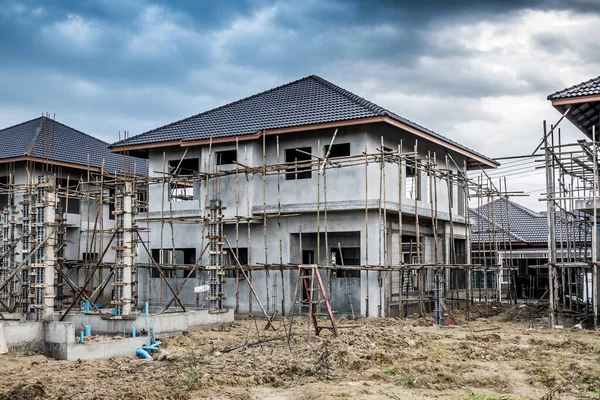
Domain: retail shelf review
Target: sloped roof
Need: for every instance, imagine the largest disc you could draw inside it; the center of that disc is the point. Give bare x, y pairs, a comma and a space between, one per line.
526, 226
307, 101
580, 105
587, 88
50, 140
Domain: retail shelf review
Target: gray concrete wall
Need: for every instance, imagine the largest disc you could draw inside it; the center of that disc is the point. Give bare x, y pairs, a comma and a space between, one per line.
347, 191
23, 336
59, 337
104, 350
59, 343
164, 324
303, 193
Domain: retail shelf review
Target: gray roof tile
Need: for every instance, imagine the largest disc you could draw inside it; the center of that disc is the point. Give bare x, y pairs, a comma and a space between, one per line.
307, 101
46, 138
526, 226
586, 88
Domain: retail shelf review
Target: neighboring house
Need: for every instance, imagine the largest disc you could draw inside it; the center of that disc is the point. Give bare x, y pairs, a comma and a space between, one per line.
299, 119
581, 101
37, 151
580, 104
522, 242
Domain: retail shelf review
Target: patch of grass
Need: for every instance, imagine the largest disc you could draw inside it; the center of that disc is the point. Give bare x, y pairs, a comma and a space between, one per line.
593, 384
391, 370
408, 376
438, 349
191, 369
470, 395
408, 380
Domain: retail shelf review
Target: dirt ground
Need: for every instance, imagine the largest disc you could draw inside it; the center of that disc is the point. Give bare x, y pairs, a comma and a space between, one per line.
506, 355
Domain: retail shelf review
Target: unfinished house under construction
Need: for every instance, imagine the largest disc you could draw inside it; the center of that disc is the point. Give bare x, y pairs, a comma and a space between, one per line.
304, 174
69, 243
572, 199
518, 237
304, 198
47, 194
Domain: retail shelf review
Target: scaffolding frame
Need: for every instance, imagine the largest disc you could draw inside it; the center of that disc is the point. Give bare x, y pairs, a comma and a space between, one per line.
129, 194
571, 198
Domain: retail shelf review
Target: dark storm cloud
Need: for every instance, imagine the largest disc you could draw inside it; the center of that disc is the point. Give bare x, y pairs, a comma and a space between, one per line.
141, 63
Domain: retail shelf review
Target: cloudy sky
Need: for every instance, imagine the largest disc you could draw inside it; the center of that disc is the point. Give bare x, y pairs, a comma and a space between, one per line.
475, 71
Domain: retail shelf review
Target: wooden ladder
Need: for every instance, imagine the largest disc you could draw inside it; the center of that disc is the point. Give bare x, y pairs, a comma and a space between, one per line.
310, 279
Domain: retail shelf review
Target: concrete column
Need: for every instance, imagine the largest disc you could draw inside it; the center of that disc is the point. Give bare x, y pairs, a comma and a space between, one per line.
130, 251
125, 248
50, 200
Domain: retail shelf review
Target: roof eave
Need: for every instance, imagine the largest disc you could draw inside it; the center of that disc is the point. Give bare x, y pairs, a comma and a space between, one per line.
579, 108
575, 100
145, 146
475, 159
27, 158
478, 159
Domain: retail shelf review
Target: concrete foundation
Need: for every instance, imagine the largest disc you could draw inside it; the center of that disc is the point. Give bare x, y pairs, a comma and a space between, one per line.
59, 339
23, 336
170, 324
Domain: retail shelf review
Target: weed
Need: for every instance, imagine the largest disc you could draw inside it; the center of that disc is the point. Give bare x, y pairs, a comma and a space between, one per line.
408, 380
408, 377
437, 348
593, 383
391, 370
191, 369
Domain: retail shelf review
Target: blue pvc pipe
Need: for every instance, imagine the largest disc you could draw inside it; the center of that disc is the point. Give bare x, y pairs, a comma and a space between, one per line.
80, 336
150, 348
157, 343
146, 309
86, 307
88, 330
143, 353
153, 333
133, 331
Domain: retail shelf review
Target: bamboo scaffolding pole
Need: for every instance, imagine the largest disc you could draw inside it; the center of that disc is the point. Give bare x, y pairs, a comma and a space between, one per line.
388, 280
400, 231
264, 195
249, 230
280, 233
417, 191
595, 231
366, 231
323, 171
452, 258
237, 224
380, 227
162, 225
550, 217
468, 241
